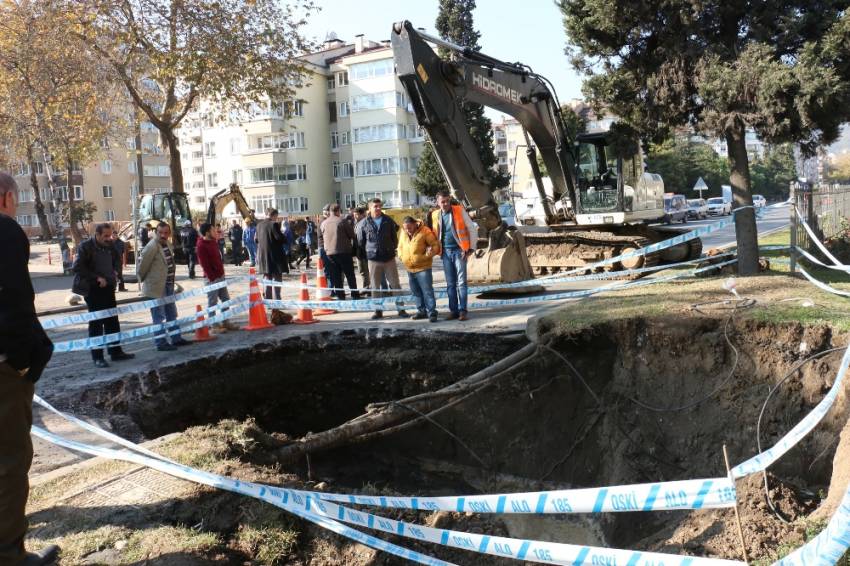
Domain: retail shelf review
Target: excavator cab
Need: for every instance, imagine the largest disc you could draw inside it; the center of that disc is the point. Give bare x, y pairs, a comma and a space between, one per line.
598, 176
171, 208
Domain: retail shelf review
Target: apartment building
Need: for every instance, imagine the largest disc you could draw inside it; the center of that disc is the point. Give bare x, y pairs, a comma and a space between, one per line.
347, 136
108, 183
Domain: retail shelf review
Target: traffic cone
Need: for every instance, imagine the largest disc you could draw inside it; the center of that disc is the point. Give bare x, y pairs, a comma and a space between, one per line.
322, 293
257, 318
305, 315
202, 334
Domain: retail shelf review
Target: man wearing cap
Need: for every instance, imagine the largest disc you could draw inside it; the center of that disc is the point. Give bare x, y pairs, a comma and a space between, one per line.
189, 242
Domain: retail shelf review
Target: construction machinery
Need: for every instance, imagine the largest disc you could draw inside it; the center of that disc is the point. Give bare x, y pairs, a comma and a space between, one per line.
171, 208
221, 199
601, 201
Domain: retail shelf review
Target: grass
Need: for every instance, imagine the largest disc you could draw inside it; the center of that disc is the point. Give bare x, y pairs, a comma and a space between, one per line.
777, 296
811, 530
161, 541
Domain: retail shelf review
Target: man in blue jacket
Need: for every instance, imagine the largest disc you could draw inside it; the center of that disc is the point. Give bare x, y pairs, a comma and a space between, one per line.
378, 235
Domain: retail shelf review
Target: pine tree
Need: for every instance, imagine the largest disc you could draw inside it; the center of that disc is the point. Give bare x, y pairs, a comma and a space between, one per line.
454, 23
780, 68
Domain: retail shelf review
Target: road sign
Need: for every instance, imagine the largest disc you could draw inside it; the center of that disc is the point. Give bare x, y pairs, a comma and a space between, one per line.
700, 186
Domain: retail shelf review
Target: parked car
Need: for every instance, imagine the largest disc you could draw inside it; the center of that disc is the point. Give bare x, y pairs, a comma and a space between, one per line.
719, 207
675, 208
759, 201
697, 208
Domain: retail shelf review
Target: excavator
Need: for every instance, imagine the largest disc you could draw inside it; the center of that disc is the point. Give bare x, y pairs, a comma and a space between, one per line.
601, 201
224, 197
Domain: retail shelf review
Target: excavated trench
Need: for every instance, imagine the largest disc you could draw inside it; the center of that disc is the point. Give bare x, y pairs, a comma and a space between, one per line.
612, 420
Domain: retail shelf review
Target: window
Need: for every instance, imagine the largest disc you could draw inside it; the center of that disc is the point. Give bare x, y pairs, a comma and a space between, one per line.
131, 167
335, 169
78, 192
343, 109
378, 100
331, 83
109, 215
347, 170
187, 185
197, 154
346, 138
342, 78
262, 202
293, 108
62, 193
39, 167
156, 171
106, 166
198, 185
77, 168
280, 173
236, 176
107, 191
209, 149
383, 166
212, 180
379, 133
23, 169
25, 195
296, 172
197, 170
332, 111
350, 200
414, 165
25, 220
372, 69
235, 146
334, 139
294, 204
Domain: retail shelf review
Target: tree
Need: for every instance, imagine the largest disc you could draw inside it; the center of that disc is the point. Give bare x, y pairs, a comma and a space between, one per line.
170, 53
773, 172
839, 168
454, 23
56, 97
681, 162
777, 67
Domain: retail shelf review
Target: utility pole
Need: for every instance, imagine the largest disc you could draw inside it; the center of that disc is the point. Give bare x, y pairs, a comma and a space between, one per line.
136, 195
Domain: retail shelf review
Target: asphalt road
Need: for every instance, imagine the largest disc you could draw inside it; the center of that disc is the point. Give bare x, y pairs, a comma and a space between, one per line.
772, 219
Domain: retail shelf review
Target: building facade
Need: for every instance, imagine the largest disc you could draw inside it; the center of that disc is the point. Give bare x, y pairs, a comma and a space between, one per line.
107, 183
347, 136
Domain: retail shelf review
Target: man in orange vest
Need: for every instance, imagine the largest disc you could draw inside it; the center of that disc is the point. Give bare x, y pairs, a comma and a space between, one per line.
452, 226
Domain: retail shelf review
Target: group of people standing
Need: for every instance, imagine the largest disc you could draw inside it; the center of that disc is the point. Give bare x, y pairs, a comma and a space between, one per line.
376, 240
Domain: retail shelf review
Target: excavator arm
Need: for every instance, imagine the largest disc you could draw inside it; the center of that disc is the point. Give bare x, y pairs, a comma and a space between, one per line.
437, 89
224, 197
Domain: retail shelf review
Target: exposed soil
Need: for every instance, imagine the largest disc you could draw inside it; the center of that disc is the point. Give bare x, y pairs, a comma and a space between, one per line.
539, 427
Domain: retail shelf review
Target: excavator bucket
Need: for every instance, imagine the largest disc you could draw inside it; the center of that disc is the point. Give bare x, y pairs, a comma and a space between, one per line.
507, 264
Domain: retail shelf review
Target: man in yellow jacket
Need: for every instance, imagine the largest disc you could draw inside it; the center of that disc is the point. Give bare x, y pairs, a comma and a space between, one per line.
417, 246
454, 230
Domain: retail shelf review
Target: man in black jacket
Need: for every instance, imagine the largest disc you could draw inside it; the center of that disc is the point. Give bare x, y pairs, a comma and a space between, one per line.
25, 350
378, 235
270, 259
96, 273
235, 235
189, 242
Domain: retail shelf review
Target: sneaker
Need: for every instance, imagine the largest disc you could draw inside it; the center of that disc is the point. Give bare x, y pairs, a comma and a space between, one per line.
166, 348
419, 316
377, 315
403, 314
433, 318
463, 316
453, 316
121, 356
180, 341
101, 364
44, 557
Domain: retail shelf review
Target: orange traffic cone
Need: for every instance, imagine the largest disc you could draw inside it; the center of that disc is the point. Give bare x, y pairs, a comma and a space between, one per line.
257, 318
202, 334
322, 293
305, 315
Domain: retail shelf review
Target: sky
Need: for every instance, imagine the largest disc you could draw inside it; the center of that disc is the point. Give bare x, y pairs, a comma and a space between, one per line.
530, 32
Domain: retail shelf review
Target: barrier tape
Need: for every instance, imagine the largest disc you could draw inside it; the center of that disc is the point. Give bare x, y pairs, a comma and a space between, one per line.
829, 545
816, 239
178, 326
276, 497
308, 506
134, 307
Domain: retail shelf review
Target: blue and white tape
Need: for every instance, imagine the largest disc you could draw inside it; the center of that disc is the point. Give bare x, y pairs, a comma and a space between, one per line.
180, 325
134, 307
761, 461
829, 545
307, 506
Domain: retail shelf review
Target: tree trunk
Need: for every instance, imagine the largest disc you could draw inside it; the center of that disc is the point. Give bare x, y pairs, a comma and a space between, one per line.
76, 234
170, 140
746, 232
46, 233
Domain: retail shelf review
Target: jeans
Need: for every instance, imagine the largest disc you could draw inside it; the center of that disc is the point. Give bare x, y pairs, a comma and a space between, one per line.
267, 293
384, 274
454, 266
16, 395
422, 286
252, 253
213, 297
166, 313
339, 265
101, 298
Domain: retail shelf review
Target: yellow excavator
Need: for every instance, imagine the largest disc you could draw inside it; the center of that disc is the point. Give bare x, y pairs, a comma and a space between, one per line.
602, 201
221, 199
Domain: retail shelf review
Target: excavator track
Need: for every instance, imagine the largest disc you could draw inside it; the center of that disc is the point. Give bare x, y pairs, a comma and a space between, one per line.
552, 252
